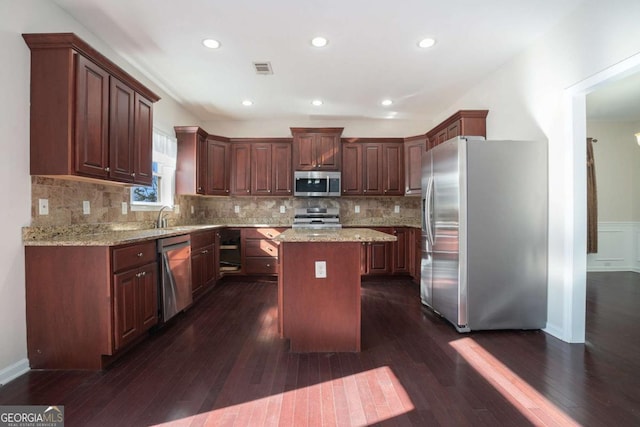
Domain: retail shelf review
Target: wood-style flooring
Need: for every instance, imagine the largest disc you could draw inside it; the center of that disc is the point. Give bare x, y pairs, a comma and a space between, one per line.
222, 363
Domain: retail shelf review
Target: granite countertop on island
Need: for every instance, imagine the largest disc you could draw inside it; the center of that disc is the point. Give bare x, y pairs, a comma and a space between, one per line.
334, 235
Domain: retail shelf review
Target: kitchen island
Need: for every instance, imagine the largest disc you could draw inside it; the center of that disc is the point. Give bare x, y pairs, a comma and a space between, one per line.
319, 287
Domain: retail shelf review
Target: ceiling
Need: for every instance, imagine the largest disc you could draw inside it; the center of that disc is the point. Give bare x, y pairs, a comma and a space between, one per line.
372, 52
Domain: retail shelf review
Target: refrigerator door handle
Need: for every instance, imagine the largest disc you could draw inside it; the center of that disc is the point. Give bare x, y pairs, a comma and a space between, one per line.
428, 211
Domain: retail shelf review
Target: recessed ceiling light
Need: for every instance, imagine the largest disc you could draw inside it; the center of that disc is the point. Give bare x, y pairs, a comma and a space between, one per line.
319, 41
426, 43
247, 102
317, 102
211, 43
386, 102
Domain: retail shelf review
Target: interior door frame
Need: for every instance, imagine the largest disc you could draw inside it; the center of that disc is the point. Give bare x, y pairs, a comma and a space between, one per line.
575, 238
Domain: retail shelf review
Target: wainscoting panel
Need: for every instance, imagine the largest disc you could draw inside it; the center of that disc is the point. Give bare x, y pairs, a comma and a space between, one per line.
618, 247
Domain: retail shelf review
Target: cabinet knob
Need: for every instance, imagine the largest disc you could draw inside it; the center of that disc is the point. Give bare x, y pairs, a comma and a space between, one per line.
140, 254
268, 265
365, 191
199, 188
205, 251
107, 169
268, 191
248, 191
385, 191
133, 175
226, 191
144, 273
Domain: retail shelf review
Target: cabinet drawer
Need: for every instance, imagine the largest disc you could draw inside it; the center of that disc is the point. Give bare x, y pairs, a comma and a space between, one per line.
126, 257
202, 239
260, 248
261, 233
261, 265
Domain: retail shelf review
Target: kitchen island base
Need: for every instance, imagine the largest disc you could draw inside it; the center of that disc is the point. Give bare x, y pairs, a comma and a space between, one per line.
320, 314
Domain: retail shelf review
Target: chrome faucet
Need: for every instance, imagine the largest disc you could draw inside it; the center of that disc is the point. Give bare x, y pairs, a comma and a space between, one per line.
161, 222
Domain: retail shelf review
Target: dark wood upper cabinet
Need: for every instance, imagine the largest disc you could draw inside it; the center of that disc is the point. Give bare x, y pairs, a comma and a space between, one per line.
281, 169
261, 155
218, 166
392, 169
91, 122
372, 166
351, 169
413, 148
462, 123
316, 148
88, 117
241, 169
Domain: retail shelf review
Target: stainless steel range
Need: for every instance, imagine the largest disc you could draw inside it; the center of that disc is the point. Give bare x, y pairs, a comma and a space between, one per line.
316, 217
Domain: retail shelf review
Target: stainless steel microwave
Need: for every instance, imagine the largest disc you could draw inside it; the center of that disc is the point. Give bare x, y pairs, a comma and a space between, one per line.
316, 184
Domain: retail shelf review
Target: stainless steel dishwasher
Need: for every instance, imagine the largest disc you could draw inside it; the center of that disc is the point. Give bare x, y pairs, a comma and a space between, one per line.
175, 275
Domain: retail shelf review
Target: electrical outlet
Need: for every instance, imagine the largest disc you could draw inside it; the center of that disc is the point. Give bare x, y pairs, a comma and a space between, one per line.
193, 210
283, 209
321, 269
86, 207
124, 208
43, 206
396, 209
357, 208
176, 209
236, 209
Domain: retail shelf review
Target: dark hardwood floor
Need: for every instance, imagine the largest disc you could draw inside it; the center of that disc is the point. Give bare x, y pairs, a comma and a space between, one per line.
222, 363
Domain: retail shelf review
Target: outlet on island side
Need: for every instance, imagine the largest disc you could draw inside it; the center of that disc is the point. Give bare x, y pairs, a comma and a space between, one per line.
321, 269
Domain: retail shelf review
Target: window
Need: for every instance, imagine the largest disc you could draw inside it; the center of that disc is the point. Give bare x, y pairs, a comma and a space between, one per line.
162, 189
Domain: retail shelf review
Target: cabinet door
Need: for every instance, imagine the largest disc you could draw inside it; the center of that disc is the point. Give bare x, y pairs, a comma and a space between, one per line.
201, 165
327, 151
413, 166
261, 169
241, 169
352, 169
121, 131
392, 172
127, 324
379, 258
148, 296
281, 173
91, 119
143, 142
372, 169
401, 251
197, 272
304, 152
218, 168
209, 275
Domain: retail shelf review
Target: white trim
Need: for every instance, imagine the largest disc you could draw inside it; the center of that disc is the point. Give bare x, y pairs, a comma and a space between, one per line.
12, 372
574, 294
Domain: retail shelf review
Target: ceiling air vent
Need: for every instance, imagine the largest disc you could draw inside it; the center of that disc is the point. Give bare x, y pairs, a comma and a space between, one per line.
263, 67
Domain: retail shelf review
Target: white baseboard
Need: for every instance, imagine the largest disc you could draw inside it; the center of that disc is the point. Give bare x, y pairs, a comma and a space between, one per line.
12, 372
555, 331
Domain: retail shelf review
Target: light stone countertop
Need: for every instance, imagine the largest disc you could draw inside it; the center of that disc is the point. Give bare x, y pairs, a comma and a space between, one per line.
336, 235
115, 237
104, 236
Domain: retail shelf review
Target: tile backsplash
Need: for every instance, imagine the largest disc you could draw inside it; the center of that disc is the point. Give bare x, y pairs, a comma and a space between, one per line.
66, 196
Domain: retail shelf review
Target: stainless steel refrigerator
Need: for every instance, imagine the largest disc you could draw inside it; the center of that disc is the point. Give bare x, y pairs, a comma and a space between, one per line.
484, 233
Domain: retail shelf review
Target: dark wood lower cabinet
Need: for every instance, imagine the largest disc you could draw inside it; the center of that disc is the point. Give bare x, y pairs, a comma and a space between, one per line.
85, 304
259, 251
384, 258
204, 261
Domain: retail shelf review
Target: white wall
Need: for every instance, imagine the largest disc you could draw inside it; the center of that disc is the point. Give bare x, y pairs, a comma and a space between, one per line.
17, 17
528, 99
617, 163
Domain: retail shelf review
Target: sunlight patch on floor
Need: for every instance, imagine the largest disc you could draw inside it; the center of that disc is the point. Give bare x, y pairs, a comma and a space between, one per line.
533, 405
358, 400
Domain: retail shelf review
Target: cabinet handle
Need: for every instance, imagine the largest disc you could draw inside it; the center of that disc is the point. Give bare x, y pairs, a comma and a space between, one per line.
107, 169
140, 254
